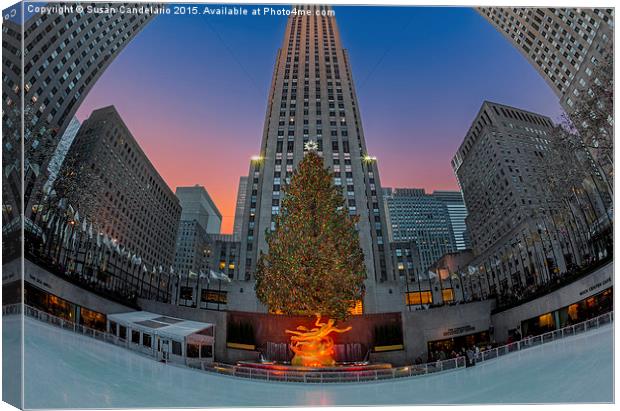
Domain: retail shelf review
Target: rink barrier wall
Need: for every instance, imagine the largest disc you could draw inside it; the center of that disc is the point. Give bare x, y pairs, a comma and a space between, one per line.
333, 376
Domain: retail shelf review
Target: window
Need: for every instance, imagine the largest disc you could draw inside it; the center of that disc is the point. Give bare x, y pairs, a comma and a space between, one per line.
176, 348
419, 297
447, 294
206, 351
192, 351
135, 337
357, 308
146, 340
122, 332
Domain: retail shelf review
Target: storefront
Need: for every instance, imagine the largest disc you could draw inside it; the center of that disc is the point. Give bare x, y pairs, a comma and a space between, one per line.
59, 307
457, 343
583, 310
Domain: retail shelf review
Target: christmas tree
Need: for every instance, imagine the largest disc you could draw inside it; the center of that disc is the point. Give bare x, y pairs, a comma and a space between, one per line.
314, 264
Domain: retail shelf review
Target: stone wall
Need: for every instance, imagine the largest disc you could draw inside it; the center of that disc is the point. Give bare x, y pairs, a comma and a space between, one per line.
422, 326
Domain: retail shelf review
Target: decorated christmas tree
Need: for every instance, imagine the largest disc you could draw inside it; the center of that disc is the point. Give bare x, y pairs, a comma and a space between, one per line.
314, 264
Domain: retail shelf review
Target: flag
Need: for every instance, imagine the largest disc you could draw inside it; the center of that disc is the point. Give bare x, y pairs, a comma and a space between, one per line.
224, 277
213, 275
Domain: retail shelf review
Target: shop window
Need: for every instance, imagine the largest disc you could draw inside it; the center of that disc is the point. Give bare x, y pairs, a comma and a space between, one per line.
176, 348
206, 351
546, 320
214, 296
192, 350
135, 337
419, 297
92, 319
447, 294
146, 340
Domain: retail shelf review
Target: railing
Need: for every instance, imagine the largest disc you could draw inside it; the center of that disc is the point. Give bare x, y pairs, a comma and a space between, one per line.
410, 370
90, 332
332, 376
550, 336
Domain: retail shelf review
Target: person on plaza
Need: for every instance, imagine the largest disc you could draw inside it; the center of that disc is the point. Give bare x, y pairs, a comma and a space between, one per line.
470, 357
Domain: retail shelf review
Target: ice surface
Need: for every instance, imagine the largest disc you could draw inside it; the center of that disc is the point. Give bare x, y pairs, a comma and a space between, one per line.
66, 370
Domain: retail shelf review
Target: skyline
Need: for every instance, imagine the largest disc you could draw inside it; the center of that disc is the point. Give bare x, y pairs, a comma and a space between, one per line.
174, 101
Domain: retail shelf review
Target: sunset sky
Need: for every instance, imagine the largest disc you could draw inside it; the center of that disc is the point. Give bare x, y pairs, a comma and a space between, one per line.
193, 91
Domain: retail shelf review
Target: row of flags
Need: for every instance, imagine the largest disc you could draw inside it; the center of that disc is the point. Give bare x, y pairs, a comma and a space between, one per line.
67, 232
213, 275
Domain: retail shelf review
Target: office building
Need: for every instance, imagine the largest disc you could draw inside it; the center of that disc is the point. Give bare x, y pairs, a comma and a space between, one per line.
240, 207
110, 181
414, 215
562, 44
500, 166
64, 55
199, 218
312, 101
457, 212
196, 204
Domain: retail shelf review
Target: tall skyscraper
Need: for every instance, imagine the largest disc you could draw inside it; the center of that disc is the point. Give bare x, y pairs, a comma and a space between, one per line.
562, 44
457, 212
423, 218
111, 182
240, 208
500, 169
312, 100
196, 204
64, 55
500, 166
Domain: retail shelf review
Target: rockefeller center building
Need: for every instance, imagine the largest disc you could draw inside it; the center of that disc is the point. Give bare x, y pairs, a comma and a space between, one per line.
313, 102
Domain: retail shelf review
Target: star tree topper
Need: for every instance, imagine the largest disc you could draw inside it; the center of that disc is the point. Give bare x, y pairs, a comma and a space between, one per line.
311, 146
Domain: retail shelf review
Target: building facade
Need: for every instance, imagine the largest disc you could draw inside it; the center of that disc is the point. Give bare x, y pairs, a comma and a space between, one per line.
518, 237
199, 218
457, 212
196, 204
192, 249
110, 181
562, 44
64, 55
414, 215
240, 206
312, 99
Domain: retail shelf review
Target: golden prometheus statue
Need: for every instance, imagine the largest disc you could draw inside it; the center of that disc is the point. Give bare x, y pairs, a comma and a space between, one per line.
314, 348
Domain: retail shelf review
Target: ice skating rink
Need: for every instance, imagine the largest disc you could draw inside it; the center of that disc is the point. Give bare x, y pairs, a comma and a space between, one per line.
66, 370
